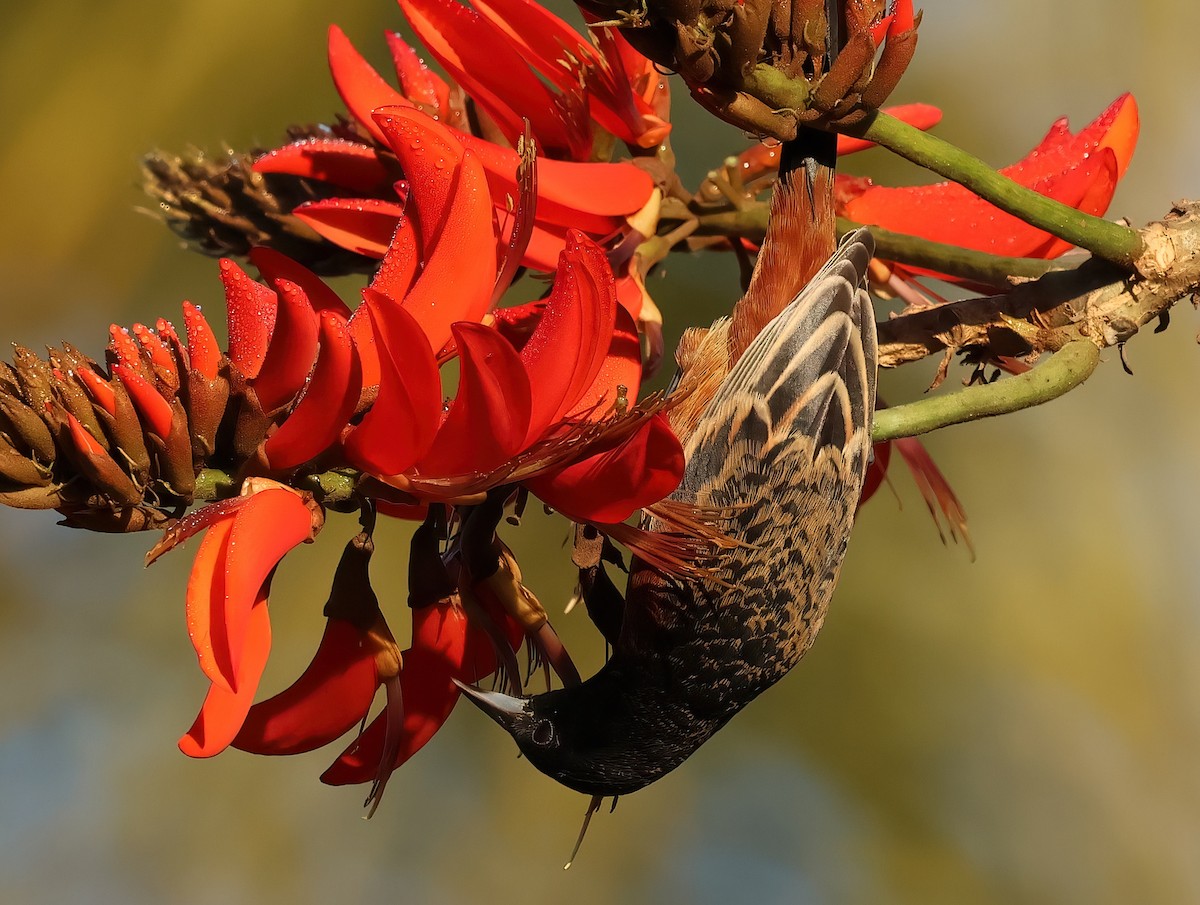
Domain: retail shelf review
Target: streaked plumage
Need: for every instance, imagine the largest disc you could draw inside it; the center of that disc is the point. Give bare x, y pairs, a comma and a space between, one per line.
783, 444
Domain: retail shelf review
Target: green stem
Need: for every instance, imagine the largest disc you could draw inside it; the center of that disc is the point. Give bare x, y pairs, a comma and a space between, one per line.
1066, 369
328, 487
965, 263
1116, 243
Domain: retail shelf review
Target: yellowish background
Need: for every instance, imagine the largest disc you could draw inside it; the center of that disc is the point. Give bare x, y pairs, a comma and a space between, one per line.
1025, 728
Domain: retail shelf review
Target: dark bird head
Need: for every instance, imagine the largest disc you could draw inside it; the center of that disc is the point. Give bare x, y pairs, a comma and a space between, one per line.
607, 736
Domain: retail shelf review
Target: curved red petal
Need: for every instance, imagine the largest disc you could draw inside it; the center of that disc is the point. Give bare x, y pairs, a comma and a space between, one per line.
205, 600
418, 82
362, 88
399, 428
876, 470
155, 411
620, 367
328, 402
477, 56
400, 263
349, 164
224, 711
430, 155
276, 266
364, 226
437, 655
270, 524
489, 418
610, 486
332, 694
250, 308
567, 349
204, 354
292, 351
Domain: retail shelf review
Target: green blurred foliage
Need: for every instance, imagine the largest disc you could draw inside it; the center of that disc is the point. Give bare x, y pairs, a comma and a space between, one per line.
1023, 728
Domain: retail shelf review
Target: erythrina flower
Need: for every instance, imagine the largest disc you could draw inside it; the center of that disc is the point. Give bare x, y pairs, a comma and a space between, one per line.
1080, 170
610, 202
245, 538
564, 396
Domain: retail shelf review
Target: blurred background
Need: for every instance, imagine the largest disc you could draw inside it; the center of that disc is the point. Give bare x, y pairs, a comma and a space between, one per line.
1022, 728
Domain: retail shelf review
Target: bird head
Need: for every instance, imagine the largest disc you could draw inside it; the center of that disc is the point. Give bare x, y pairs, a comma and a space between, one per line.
598, 738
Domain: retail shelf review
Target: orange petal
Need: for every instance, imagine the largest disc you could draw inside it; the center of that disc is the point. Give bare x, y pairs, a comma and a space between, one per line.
223, 711
205, 598
270, 524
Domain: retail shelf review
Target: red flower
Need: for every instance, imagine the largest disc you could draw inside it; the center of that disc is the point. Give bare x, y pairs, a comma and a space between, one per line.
1080, 170
230, 629
600, 199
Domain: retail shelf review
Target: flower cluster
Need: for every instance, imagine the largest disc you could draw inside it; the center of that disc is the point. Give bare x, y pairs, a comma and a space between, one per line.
451, 186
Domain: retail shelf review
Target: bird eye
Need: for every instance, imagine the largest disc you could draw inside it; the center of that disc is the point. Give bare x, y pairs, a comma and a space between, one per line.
543, 734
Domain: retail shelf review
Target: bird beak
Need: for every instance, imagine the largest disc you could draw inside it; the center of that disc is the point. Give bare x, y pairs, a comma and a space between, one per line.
502, 708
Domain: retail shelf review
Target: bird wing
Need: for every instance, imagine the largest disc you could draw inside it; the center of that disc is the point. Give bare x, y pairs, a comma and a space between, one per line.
783, 445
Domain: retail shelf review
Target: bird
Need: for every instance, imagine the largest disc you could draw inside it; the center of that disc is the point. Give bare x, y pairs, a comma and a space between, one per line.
780, 442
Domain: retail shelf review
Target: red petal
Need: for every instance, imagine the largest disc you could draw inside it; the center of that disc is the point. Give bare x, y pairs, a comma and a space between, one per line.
876, 471
330, 697
361, 87
350, 164
437, 655
621, 367
610, 486
155, 411
251, 312
362, 225
205, 598
276, 266
399, 266
270, 524
292, 350
203, 351
417, 81
489, 418
565, 352
223, 711
460, 259
401, 425
493, 73
99, 389
328, 402
542, 39
1075, 170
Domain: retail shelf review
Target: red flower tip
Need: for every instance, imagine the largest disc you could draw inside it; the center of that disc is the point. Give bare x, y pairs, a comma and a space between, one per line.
99, 389
251, 308
329, 399
154, 409
203, 351
292, 350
